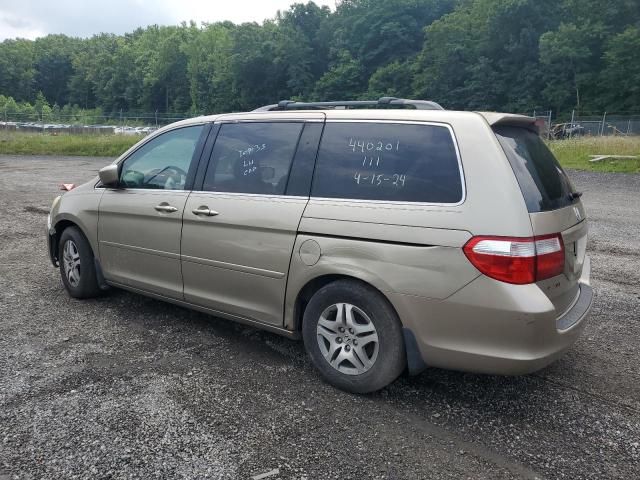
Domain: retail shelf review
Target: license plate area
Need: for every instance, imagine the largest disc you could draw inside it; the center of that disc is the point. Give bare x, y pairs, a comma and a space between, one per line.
575, 244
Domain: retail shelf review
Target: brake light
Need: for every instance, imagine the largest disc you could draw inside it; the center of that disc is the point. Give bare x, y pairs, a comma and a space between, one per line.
515, 259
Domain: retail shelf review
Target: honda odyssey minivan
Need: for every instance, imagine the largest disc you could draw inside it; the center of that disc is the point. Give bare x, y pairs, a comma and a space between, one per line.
388, 235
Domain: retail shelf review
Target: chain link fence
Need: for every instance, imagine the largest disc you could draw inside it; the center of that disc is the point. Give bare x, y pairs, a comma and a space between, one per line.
124, 123
586, 124
132, 123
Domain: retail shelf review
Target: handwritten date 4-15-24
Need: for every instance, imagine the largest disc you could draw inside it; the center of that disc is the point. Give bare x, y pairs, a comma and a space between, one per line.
396, 179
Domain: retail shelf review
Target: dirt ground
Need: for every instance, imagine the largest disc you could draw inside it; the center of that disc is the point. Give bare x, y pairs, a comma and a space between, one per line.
128, 387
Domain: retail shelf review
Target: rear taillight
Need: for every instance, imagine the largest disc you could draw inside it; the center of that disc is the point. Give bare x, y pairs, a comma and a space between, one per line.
517, 260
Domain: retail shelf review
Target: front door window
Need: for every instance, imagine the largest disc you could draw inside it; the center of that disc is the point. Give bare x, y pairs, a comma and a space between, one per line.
162, 163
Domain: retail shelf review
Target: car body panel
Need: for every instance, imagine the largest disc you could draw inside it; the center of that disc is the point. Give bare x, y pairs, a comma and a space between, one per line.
571, 223
293, 334
563, 289
237, 261
80, 207
140, 246
390, 233
415, 270
511, 331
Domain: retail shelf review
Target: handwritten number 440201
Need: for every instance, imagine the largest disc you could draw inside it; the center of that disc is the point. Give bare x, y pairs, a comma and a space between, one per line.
373, 146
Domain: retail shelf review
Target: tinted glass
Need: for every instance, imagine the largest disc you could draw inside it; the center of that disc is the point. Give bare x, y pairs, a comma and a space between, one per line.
393, 162
544, 184
252, 158
162, 163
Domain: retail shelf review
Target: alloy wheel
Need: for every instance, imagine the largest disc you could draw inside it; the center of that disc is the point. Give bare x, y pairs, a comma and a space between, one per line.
347, 338
71, 261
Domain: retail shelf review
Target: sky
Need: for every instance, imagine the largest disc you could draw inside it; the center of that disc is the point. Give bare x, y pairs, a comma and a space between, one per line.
83, 18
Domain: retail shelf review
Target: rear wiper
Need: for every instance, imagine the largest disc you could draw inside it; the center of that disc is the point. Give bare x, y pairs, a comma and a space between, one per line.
574, 195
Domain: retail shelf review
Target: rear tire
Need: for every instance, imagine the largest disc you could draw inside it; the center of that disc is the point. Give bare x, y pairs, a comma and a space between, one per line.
353, 337
77, 267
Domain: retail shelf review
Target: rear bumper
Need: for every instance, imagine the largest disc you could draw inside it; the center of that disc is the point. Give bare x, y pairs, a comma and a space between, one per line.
578, 311
492, 327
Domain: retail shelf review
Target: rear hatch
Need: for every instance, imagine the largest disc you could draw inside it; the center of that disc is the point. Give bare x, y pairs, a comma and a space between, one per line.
553, 204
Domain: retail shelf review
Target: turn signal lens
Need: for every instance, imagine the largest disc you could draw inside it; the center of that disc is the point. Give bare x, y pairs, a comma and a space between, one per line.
515, 259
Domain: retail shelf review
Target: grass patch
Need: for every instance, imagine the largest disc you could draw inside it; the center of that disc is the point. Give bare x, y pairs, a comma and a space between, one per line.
574, 153
82, 145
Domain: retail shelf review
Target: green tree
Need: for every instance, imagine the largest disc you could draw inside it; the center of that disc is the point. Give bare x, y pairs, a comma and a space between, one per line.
394, 80
376, 33
211, 86
566, 56
512, 55
17, 69
161, 63
572, 55
620, 78
484, 55
380, 32
53, 67
343, 81
93, 81
258, 80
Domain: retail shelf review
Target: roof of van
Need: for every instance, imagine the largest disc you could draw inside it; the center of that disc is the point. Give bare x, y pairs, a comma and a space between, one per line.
399, 114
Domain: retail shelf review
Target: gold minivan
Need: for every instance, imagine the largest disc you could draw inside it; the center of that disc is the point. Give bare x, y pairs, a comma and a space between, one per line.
388, 235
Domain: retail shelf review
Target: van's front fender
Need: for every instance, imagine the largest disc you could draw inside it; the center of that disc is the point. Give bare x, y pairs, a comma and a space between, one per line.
80, 208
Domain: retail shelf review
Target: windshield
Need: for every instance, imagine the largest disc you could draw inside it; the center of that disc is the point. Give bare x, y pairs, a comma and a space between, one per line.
544, 184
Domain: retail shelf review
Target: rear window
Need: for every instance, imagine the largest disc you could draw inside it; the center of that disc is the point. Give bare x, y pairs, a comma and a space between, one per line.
389, 162
544, 184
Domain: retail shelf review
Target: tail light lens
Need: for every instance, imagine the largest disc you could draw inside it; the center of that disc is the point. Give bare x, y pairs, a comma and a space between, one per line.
515, 259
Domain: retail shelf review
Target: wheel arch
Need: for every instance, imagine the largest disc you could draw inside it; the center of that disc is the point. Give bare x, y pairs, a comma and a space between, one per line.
415, 361
60, 226
315, 284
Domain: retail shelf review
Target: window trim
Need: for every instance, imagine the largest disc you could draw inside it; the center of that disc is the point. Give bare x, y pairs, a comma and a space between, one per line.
217, 126
303, 159
395, 202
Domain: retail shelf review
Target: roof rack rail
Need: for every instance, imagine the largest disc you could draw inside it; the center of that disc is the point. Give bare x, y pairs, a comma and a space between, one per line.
382, 101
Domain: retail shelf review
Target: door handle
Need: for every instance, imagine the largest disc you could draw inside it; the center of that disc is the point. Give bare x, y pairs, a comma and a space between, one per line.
166, 208
205, 211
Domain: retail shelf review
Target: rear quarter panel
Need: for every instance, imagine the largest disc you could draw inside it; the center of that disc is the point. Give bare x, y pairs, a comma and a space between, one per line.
415, 270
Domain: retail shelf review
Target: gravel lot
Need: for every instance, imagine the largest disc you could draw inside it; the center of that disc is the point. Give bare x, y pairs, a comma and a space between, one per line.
128, 387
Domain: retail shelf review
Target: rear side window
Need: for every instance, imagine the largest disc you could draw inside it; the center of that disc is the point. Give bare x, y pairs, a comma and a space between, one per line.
544, 184
389, 162
252, 157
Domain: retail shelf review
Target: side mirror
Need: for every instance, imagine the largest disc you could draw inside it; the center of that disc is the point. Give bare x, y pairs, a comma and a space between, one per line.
109, 176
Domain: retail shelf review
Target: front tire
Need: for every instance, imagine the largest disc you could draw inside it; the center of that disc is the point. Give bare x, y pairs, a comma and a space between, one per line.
77, 267
353, 337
